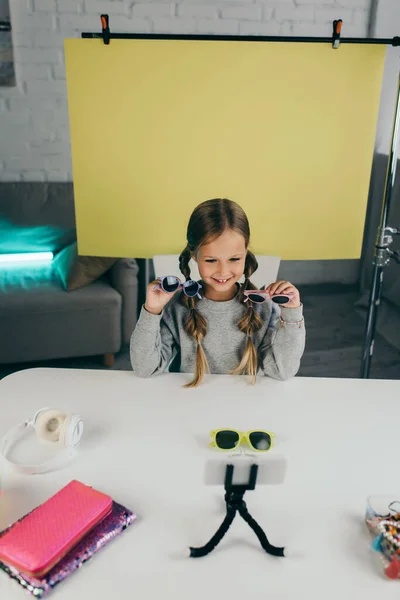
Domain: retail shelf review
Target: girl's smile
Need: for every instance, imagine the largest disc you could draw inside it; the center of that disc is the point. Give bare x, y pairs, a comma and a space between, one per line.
221, 264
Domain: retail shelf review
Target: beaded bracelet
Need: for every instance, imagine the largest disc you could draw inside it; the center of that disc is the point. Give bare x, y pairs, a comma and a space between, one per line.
299, 323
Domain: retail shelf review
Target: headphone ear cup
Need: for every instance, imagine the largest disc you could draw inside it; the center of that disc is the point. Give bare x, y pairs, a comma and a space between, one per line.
48, 424
71, 431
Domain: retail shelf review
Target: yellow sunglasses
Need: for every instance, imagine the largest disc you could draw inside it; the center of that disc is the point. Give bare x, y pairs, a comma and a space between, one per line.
229, 439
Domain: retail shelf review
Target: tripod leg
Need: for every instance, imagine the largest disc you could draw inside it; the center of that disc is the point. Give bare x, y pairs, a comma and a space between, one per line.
274, 550
217, 537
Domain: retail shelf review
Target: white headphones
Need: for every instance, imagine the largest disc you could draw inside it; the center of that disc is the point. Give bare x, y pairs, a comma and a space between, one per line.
51, 425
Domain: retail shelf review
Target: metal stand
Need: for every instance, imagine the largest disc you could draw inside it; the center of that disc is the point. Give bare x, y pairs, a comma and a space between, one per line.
382, 253
235, 503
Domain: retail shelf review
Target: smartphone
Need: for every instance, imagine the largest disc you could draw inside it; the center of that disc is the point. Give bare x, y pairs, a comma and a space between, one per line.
35, 544
271, 470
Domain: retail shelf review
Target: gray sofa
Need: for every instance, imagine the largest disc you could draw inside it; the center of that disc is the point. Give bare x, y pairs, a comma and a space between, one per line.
39, 320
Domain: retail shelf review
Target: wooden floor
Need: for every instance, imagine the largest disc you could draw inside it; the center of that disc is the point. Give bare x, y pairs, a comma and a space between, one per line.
334, 343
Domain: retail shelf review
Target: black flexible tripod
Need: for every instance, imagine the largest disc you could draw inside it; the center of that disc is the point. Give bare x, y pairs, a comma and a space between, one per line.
235, 503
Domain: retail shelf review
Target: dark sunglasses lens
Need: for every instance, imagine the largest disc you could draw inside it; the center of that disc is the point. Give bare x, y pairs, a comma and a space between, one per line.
280, 299
260, 440
256, 298
170, 284
226, 440
191, 289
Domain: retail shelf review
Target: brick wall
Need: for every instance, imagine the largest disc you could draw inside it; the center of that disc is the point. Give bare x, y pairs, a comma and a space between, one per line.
34, 130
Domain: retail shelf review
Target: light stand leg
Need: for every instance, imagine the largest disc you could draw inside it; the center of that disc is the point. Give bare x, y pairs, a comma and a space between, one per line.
382, 253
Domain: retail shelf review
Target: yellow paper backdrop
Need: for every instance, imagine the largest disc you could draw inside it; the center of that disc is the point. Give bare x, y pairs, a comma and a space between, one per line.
285, 129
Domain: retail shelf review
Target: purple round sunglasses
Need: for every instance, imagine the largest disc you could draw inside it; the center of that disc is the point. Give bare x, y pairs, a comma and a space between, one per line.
171, 283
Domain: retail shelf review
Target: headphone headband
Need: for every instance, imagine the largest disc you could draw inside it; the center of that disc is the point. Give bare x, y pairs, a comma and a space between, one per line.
64, 456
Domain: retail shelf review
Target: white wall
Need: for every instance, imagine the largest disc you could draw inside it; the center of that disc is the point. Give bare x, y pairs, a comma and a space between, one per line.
388, 25
34, 130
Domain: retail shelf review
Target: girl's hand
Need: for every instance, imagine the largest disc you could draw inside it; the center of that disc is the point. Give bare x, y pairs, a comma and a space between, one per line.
156, 299
285, 287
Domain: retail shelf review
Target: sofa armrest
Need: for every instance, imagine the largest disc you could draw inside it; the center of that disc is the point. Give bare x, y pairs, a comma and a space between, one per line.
123, 278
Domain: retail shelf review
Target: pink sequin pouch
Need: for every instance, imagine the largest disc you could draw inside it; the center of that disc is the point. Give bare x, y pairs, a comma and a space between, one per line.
105, 528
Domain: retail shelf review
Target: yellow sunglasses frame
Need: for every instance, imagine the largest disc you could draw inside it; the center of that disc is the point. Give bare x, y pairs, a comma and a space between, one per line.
243, 436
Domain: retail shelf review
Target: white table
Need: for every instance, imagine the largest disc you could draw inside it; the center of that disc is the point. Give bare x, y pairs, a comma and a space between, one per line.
145, 444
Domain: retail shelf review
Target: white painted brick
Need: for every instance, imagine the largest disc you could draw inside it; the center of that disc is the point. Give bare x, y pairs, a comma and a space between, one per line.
33, 176
47, 87
248, 13
128, 25
45, 5
261, 28
10, 147
351, 30
18, 118
174, 26
153, 10
61, 133
9, 175
267, 13
78, 23
233, 2
206, 11
58, 71
29, 162
40, 148
46, 39
33, 21
109, 8
307, 29
361, 17
24, 39
69, 6
26, 71
301, 13
37, 56
328, 15
57, 162
22, 133
366, 4
21, 104
217, 26
138, 26
278, 3
54, 175
51, 122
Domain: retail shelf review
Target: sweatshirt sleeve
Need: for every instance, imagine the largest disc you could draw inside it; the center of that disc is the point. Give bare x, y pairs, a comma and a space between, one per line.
152, 346
283, 345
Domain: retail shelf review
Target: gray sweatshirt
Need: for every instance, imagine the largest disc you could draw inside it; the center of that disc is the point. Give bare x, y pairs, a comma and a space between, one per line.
160, 343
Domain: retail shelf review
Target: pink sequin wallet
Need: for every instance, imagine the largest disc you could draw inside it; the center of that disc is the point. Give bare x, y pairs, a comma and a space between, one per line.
94, 520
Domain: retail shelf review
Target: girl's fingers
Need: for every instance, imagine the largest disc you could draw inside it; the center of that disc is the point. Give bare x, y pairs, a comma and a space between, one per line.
278, 286
286, 290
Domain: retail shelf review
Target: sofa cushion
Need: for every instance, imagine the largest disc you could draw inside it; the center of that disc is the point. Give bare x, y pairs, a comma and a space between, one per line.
75, 271
53, 299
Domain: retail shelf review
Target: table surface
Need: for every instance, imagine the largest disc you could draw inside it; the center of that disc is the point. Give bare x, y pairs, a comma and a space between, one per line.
146, 444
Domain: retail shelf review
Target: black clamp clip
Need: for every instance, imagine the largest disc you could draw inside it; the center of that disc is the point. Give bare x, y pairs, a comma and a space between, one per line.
337, 27
105, 29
